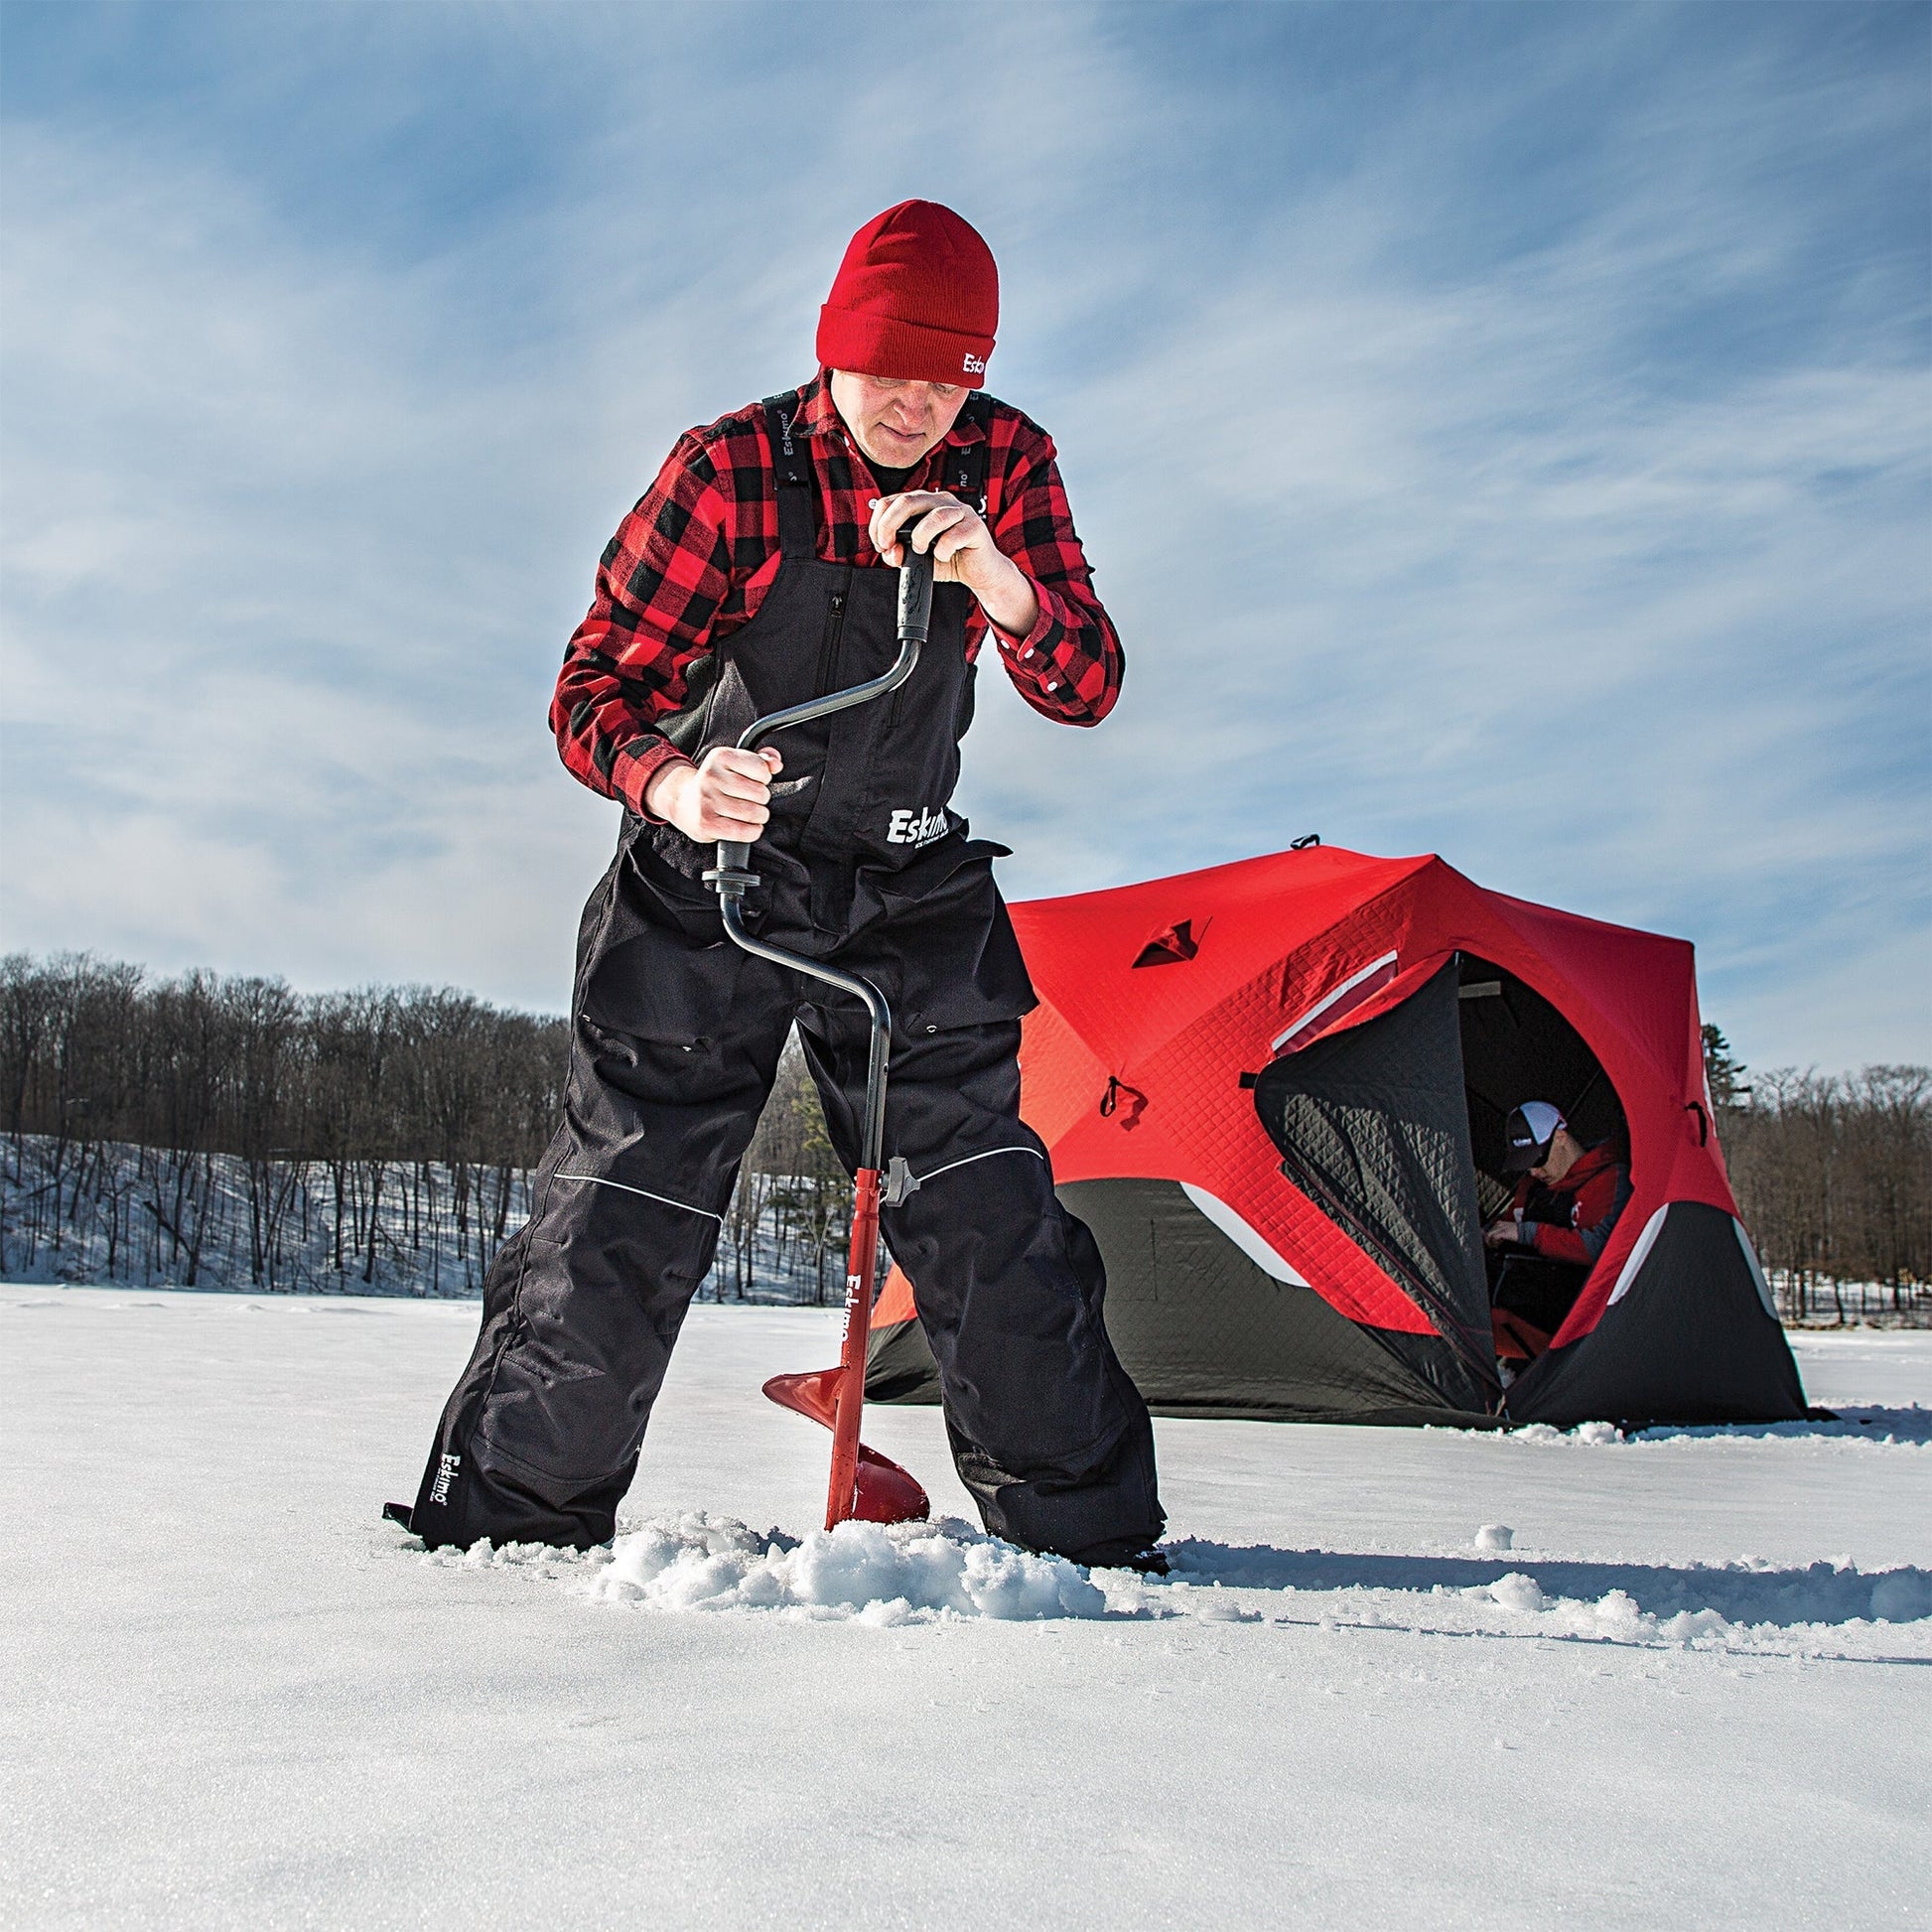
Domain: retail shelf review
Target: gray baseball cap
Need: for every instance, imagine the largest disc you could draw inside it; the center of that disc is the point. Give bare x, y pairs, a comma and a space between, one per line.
1532, 1127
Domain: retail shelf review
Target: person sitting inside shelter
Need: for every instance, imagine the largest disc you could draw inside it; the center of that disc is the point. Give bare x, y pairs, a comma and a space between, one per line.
1568, 1199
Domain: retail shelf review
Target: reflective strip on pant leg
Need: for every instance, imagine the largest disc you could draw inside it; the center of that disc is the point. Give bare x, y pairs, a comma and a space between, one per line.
598, 1181
919, 1181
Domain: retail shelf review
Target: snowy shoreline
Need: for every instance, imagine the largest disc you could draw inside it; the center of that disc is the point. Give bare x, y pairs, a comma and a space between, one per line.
119, 1214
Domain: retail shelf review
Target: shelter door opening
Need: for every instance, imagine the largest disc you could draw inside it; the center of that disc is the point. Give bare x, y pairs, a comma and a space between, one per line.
1518, 1049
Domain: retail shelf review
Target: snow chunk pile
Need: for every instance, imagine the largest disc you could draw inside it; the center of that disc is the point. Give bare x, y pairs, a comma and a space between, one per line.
882, 1574
1588, 1434
1615, 1616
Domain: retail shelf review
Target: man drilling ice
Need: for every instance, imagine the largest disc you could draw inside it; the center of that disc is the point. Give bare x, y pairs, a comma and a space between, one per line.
758, 572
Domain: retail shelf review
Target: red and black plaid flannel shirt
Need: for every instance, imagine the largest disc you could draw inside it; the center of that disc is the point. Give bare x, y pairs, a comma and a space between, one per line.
692, 562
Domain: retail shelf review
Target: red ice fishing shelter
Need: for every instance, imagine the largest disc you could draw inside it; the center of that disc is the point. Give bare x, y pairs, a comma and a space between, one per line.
1276, 1091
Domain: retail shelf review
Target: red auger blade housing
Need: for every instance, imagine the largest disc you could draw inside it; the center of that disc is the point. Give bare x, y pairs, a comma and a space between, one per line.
865, 1485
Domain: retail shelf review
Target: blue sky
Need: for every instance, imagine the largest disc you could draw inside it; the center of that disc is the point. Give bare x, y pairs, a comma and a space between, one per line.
1500, 431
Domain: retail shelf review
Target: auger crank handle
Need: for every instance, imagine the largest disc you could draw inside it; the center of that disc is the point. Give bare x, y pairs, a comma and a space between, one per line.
732, 877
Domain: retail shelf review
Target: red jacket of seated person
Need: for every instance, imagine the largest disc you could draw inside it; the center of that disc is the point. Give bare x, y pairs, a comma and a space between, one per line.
1594, 1193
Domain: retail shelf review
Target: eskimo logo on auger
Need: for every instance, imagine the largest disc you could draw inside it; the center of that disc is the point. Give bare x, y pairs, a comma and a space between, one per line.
917, 828
444, 1475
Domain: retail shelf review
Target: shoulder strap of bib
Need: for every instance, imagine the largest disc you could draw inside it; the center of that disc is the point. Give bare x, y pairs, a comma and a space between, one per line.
792, 467
964, 474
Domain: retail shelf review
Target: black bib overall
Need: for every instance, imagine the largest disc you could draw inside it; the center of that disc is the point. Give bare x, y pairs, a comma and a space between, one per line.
676, 1037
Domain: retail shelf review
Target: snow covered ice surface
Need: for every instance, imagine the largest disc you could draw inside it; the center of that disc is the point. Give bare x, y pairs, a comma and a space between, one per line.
1554, 1678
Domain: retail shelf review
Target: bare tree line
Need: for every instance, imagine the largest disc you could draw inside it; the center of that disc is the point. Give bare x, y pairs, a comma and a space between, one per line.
375, 1112
383, 1137
379, 1138
1833, 1174
792, 1205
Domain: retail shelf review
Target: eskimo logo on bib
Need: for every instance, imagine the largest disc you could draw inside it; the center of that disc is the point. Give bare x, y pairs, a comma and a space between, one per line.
917, 828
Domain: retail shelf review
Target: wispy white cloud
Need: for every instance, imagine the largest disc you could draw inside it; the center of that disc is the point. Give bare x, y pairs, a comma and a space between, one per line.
1576, 531
1465, 563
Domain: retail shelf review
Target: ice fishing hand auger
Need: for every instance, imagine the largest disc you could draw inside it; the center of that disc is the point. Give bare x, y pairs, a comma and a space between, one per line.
864, 1483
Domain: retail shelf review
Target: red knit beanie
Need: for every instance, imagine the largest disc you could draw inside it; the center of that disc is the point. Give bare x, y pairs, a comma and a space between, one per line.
917, 297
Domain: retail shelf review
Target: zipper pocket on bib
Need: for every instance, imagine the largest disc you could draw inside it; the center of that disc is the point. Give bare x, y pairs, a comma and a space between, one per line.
897, 705
828, 649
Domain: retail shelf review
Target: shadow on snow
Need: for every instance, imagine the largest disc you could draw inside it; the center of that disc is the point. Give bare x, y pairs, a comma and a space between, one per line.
1816, 1594
1858, 1424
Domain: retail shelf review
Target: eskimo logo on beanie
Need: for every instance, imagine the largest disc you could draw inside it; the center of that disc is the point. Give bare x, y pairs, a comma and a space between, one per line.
916, 298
